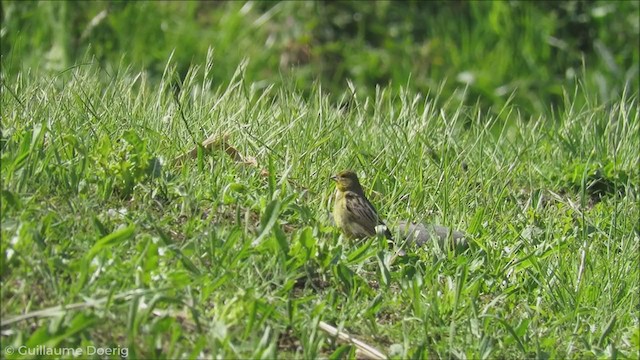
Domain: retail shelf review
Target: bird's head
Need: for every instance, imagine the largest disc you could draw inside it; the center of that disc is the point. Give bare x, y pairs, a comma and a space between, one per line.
347, 181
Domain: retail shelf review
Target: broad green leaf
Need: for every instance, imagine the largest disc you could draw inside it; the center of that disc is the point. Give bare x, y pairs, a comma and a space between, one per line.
110, 240
268, 219
385, 275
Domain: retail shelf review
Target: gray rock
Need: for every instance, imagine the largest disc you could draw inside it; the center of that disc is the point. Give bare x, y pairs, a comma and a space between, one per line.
425, 234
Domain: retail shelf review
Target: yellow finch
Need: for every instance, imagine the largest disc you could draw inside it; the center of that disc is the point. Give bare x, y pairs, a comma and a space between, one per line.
352, 212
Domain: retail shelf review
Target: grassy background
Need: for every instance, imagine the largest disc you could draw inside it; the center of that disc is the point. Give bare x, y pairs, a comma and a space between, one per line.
217, 258
517, 52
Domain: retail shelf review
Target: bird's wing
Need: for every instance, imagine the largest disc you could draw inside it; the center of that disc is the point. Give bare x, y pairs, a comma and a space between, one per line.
379, 221
367, 209
361, 207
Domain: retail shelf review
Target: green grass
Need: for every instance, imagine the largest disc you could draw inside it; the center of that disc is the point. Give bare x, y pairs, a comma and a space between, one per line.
219, 259
506, 52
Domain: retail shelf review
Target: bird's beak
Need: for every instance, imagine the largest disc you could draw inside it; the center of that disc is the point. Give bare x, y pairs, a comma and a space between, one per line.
334, 178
